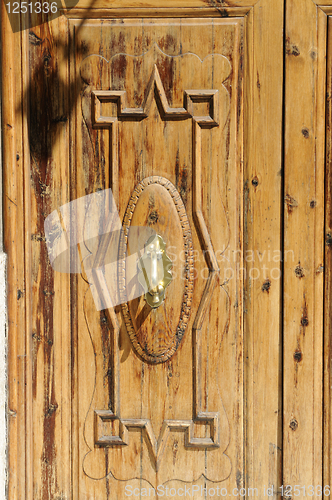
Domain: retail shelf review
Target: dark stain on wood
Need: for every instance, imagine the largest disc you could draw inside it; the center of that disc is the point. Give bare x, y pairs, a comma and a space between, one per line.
60, 119
43, 102
255, 182
119, 67
258, 82
106, 346
168, 44
291, 48
165, 67
51, 409
304, 321
293, 424
181, 178
304, 317
219, 5
305, 133
175, 450
183, 187
38, 237
298, 356
153, 218
34, 39
238, 479
299, 271
266, 285
291, 203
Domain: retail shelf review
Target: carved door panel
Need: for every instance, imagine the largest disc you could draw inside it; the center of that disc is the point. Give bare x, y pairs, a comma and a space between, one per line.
159, 121
148, 128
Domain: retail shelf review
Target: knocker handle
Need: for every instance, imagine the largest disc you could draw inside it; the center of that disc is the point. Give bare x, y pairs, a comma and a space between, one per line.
154, 270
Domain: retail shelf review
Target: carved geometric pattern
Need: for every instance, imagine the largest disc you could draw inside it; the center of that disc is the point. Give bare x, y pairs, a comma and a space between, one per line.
155, 89
188, 269
211, 261
203, 233
157, 448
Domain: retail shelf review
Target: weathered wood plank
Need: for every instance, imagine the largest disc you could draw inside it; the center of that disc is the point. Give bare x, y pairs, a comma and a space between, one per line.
48, 93
327, 471
101, 10
14, 247
152, 5
304, 240
25, 162
262, 226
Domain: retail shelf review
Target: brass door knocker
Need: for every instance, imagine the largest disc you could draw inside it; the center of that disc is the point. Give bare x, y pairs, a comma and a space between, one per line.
154, 270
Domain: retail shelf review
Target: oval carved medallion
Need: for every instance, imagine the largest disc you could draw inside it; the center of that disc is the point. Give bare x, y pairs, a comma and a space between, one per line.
156, 333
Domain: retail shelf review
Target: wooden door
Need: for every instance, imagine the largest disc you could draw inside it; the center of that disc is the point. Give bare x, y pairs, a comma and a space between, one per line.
177, 108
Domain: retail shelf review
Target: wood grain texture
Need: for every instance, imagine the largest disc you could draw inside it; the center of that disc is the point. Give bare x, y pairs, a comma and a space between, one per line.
323, 4
29, 470
50, 305
13, 246
100, 11
304, 242
158, 145
327, 9
70, 363
262, 227
327, 437
134, 6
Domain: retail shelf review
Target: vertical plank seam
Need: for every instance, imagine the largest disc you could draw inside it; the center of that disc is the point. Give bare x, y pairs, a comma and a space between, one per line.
325, 457
27, 282
326, 381
282, 243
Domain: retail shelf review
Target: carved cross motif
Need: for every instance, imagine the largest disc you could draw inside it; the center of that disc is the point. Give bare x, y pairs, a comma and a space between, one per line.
155, 90
157, 448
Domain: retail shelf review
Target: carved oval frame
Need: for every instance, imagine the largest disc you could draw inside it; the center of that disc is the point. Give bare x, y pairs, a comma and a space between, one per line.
188, 268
